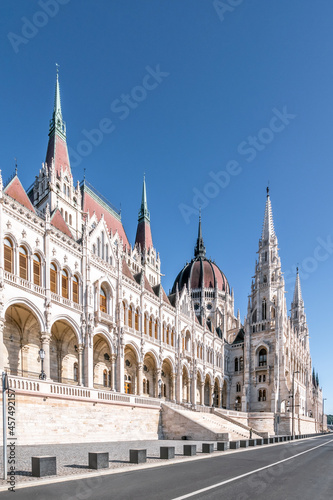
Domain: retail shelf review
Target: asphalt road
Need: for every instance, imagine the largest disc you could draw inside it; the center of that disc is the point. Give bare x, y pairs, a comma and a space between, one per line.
291, 470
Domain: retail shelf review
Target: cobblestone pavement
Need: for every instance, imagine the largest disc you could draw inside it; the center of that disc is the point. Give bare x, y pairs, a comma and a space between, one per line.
73, 458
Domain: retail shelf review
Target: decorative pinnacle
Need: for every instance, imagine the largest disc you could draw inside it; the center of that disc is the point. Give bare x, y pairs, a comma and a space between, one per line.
297, 299
268, 225
57, 122
200, 250
144, 212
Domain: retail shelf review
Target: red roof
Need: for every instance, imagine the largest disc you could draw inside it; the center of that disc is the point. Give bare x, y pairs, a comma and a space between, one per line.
58, 222
57, 149
16, 191
127, 271
148, 286
113, 223
143, 235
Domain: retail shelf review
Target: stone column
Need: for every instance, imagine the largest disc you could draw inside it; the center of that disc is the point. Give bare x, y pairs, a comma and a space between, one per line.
202, 393
80, 351
220, 398
157, 378
194, 389
89, 362
140, 379
113, 371
173, 387
46, 339
211, 388
188, 390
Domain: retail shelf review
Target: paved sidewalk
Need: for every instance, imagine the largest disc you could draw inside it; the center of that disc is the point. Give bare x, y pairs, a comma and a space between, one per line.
73, 458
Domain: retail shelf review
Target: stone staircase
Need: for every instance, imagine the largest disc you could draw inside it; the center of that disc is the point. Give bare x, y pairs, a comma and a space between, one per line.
178, 422
237, 426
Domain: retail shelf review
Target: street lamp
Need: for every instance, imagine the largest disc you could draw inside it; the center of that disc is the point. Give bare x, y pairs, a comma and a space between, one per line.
42, 375
293, 406
324, 399
160, 388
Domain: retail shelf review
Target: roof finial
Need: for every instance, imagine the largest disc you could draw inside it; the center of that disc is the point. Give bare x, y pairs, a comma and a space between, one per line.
200, 250
57, 66
267, 189
84, 173
15, 166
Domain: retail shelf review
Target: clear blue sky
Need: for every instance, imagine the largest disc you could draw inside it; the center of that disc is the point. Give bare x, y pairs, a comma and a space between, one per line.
221, 76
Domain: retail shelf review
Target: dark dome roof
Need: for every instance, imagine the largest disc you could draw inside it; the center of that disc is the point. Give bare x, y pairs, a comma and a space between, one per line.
201, 272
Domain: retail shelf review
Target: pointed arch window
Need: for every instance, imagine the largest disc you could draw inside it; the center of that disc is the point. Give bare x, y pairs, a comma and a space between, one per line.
64, 284
75, 289
264, 309
262, 357
156, 330
150, 326
23, 263
8, 255
236, 364
172, 338
130, 317
238, 387
102, 300
53, 278
145, 324
241, 364
37, 270
136, 320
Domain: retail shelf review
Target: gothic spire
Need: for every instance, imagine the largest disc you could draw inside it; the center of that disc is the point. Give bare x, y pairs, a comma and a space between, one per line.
56, 121
268, 225
297, 299
57, 153
200, 250
144, 212
143, 233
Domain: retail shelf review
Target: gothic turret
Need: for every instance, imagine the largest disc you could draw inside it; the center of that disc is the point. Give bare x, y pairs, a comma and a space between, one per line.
298, 318
144, 242
143, 233
54, 184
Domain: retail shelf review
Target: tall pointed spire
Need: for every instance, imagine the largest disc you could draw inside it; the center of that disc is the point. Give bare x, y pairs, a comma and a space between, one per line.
200, 249
56, 121
57, 153
144, 212
143, 233
297, 299
268, 225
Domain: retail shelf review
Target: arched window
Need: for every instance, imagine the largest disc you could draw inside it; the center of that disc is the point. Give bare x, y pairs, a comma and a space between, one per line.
105, 378
8, 255
98, 247
62, 212
66, 216
107, 253
172, 338
64, 284
102, 300
76, 369
130, 316
262, 357
75, 289
156, 330
145, 324
260, 395
94, 249
136, 320
241, 364
37, 270
109, 378
148, 387
150, 326
70, 219
168, 335
53, 278
144, 386
238, 387
236, 364
264, 395
264, 309
64, 189
23, 263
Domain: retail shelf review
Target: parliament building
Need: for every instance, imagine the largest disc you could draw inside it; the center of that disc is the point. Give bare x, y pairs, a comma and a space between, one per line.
91, 341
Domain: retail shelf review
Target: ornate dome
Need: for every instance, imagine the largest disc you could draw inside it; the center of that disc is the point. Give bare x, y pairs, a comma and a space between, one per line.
201, 272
